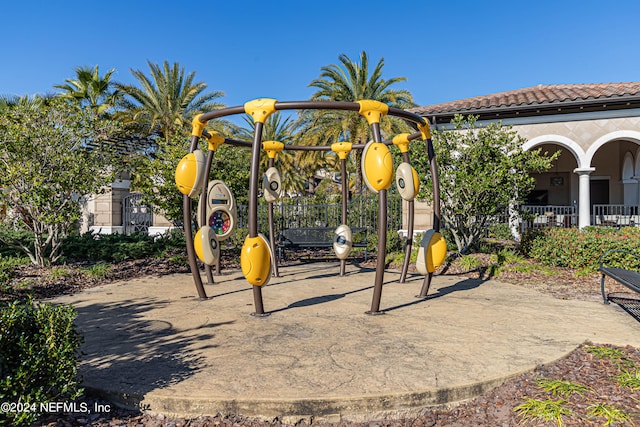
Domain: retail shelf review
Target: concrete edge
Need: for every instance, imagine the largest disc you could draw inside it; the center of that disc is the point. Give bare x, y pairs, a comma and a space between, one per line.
347, 408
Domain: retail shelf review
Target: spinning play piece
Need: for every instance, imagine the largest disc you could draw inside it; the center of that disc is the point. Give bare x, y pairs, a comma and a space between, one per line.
432, 252
377, 166
342, 241
190, 173
407, 181
206, 245
272, 184
255, 260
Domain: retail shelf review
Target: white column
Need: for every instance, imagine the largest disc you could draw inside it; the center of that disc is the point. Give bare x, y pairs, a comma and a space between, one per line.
584, 203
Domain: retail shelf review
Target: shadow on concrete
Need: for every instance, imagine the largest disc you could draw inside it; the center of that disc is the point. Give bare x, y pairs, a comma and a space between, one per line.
126, 355
319, 300
464, 285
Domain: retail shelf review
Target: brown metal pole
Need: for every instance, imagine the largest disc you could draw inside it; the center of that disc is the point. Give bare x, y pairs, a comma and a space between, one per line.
382, 238
433, 166
409, 245
203, 210
188, 235
272, 238
345, 197
253, 206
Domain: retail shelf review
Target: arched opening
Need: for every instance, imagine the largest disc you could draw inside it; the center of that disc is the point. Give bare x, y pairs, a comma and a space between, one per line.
559, 185
613, 189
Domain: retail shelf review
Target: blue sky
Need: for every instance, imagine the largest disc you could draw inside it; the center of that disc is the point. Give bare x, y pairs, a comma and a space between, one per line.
447, 50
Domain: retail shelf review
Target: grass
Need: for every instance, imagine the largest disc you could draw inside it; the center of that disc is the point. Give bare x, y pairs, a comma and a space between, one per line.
468, 262
616, 355
611, 413
57, 273
562, 388
97, 271
543, 410
629, 379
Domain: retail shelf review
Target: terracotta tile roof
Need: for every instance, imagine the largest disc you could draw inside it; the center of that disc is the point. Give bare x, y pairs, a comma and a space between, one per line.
541, 95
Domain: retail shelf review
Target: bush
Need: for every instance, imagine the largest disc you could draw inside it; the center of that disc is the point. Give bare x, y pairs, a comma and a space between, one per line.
38, 361
11, 237
7, 265
394, 242
120, 247
581, 249
500, 231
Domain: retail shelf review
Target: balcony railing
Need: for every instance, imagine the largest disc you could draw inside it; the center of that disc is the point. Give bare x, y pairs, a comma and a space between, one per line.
615, 215
548, 216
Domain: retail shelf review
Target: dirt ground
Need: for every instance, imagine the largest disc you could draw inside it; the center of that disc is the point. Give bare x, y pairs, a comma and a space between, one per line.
606, 398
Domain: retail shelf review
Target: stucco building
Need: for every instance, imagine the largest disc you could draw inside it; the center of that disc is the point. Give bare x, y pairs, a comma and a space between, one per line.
595, 181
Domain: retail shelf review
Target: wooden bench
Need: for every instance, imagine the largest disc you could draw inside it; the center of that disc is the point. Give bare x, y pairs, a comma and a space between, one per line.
315, 238
628, 278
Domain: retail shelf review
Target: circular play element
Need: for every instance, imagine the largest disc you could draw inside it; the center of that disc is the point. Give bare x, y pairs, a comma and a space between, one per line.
190, 173
377, 166
255, 260
432, 252
272, 184
342, 241
407, 181
206, 245
220, 209
220, 222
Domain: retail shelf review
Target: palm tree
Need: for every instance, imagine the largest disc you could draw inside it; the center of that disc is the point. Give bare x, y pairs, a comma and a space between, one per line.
351, 81
91, 90
167, 101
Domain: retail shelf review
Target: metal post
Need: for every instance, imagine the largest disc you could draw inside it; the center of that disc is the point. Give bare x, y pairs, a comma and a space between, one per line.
272, 238
203, 213
433, 166
253, 206
345, 196
409, 245
188, 235
382, 238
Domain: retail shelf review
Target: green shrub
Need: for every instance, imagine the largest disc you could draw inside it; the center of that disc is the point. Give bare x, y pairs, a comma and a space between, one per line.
120, 247
582, 249
11, 237
38, 360
394, 242
7, 265
500, 231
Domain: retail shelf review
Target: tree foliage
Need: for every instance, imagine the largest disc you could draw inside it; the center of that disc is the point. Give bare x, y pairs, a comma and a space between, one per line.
165, 102
353, 81
155, 174
91, 90
483, 171
47, 166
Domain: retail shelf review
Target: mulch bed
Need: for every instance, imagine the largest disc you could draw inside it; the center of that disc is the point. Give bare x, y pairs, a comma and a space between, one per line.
495, 408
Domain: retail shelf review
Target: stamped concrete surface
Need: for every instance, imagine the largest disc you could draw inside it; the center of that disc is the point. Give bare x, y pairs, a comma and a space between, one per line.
151, 342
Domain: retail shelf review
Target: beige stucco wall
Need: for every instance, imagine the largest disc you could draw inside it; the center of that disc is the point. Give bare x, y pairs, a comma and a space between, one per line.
583, 132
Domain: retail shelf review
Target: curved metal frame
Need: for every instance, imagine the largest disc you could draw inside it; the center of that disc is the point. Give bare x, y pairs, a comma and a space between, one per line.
254, 185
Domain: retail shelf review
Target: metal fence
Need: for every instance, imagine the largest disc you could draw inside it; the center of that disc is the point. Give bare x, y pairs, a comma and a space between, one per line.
136, 216
362, 211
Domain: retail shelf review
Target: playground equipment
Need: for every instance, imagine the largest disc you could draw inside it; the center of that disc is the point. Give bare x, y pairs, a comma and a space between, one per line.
216, 217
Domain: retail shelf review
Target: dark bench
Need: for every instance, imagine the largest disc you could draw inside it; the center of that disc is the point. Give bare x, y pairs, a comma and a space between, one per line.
316, 237
628, 278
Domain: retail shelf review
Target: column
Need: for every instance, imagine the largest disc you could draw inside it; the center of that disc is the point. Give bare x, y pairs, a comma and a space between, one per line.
637, 178
584, 203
